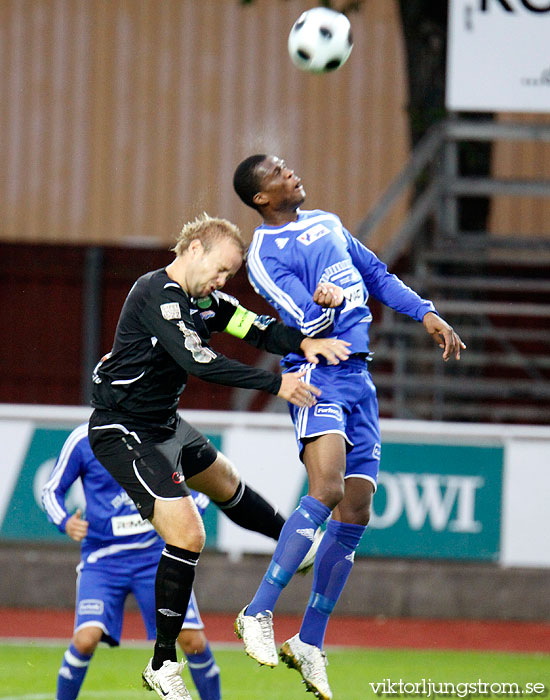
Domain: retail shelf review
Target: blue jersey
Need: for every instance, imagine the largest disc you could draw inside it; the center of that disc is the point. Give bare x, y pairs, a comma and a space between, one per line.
115, 526
286, 263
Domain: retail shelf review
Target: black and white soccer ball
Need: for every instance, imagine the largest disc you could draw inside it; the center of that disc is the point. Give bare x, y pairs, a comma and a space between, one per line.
320, 40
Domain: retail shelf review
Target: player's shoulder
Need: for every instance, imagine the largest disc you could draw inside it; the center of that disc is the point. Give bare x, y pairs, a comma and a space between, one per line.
317, 215
157, 290
220, 298
78, 437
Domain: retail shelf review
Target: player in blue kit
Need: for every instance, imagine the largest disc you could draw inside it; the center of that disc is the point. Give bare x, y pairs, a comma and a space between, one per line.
319, 278
120, 554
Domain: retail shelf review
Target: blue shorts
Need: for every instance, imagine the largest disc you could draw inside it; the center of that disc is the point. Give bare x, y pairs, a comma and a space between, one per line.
347, 406
102, 588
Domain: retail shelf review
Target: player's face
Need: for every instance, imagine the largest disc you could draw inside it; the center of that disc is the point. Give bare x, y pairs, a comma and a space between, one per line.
212, 269
283, 189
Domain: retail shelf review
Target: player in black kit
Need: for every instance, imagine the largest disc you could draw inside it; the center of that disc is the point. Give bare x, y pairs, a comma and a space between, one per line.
162, 336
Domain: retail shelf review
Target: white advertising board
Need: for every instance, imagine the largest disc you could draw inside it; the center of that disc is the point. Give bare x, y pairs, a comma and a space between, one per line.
498, 56
447, 490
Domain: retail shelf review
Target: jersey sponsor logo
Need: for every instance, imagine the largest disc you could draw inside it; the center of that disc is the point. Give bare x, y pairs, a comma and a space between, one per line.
307, 532
193, 343
342, 266
376, 450
354, 296
328, 410
90, 606
132, 524
313, 234
170, 311
281, 242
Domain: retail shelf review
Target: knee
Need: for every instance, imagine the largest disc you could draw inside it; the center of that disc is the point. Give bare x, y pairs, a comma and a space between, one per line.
192, 539
192, 641
86, 640
329, 493
355, 515
362, 516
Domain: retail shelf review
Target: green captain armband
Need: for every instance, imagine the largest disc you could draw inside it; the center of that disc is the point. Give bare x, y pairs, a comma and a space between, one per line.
240, 322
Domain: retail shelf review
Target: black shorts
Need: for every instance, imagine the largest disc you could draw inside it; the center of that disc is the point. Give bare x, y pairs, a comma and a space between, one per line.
149, 462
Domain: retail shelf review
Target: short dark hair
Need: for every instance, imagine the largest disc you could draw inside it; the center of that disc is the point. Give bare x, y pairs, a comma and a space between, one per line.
245, 179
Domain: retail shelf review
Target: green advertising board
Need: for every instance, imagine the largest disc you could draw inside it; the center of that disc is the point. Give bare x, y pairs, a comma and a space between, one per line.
433, 500
25, 518
437, 501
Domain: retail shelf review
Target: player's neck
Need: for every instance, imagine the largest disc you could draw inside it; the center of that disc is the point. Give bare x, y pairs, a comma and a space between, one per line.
280, 217
176, 272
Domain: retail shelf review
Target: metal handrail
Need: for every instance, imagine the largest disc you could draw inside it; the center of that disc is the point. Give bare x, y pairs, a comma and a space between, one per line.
446, 185
423, 154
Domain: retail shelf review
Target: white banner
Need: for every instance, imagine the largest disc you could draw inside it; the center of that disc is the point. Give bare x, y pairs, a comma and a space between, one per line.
498, 56
447, 490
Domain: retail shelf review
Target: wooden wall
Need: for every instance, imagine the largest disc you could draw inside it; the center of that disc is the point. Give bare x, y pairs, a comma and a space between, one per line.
523, 216
121, 119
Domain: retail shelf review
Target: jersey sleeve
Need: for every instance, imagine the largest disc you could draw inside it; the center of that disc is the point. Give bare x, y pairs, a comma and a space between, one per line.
384, 286
263, 332
283, 289
169, 318
67, 469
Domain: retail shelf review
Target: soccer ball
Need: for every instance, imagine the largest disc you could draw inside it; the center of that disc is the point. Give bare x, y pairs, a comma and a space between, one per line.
320, 40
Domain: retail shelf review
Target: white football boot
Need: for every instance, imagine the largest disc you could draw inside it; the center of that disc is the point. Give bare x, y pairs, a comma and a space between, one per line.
311, 662
167, 681
257, 635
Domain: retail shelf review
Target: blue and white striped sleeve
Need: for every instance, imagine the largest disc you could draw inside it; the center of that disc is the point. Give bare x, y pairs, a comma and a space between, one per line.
66, 471
284, 290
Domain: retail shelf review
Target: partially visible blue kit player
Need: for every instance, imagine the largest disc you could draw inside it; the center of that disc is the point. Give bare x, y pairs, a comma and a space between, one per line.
119, 555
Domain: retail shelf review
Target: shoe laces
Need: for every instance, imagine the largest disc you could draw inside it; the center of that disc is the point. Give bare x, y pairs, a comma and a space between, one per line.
317, 663
266, 626
173, 678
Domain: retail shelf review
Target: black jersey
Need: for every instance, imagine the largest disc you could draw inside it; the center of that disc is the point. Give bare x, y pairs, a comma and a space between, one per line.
162, 336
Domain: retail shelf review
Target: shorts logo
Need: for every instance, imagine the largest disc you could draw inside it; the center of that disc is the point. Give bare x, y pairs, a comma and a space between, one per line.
168, 612
170, 311
90, 606
376, 450
178, 478
328, 410
313, 234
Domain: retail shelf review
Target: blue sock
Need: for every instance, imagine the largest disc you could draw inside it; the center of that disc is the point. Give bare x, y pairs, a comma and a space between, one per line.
205, 674
294, 542
71, 673
333, 564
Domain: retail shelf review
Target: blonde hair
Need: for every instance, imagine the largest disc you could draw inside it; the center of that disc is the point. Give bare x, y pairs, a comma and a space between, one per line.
207, 229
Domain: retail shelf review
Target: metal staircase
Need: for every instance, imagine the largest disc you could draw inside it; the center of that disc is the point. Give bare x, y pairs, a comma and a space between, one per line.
495, 291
